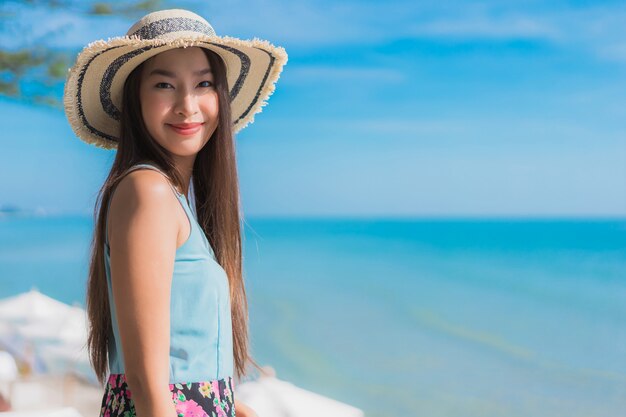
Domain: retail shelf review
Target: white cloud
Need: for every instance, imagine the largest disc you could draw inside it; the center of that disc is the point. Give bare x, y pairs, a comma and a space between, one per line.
506, 27
613, 52
594, 29
61, 28
320, 73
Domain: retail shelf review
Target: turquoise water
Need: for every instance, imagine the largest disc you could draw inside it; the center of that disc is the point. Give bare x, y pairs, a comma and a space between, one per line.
424, 317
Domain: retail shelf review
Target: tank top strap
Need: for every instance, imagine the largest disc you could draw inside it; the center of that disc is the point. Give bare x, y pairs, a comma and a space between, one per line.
129, 170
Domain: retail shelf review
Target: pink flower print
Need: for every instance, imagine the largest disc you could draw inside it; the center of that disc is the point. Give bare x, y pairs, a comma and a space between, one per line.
218, 408
216, 389
190, 408
107, 413
177, 396
228, 393
221, 412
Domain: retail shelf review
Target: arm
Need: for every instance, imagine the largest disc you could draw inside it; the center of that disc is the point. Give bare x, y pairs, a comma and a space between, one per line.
143, 245
243, 410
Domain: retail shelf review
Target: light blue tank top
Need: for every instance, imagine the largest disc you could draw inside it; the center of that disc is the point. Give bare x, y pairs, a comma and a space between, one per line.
201, 344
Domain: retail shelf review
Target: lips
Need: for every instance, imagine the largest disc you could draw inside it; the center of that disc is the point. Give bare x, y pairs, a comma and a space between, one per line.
185, 128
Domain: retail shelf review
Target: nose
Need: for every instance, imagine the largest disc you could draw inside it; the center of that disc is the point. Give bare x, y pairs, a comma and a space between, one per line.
186, 103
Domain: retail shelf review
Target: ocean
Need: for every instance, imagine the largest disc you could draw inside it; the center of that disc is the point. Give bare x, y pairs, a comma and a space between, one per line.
425, 317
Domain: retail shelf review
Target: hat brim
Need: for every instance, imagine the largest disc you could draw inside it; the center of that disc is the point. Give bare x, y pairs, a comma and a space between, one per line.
93, 90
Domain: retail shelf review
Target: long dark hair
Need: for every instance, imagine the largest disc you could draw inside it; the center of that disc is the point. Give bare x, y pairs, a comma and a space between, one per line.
216, 190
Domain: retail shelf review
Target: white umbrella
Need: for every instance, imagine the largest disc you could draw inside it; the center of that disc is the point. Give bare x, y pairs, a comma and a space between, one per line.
269, 396
68, 327
31, 306
54, 332
8, 367
74, 327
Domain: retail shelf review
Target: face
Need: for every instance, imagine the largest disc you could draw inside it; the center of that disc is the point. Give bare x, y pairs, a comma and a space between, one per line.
179, 102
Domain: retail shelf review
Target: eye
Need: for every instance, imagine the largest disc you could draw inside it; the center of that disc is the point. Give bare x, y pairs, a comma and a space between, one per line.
163, 85
206, 84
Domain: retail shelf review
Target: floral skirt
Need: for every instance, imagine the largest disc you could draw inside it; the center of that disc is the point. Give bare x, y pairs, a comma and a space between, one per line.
192, 399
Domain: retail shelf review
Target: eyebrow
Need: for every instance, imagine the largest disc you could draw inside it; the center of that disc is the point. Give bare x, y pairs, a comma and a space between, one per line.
170, 74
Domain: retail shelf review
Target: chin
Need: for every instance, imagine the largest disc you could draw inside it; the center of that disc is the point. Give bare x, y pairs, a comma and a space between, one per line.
182, 146
184, 150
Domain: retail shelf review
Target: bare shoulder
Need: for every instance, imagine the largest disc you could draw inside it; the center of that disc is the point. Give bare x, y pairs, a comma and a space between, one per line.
144, 185
143, 193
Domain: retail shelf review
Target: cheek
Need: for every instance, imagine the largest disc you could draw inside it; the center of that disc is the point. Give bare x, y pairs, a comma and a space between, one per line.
153, 108
210, 105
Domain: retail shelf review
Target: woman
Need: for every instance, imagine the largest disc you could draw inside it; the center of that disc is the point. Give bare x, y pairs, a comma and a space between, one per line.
166, 299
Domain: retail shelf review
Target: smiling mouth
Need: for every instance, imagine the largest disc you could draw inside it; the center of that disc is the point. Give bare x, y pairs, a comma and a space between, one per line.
185, 128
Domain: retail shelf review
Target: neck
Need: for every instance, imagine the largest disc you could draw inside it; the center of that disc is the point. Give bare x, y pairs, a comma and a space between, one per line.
185, 167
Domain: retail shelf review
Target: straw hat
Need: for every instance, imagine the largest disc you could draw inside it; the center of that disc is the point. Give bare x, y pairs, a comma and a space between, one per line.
93, 91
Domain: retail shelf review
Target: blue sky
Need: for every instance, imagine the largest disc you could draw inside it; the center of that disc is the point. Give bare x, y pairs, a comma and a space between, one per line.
400, 108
